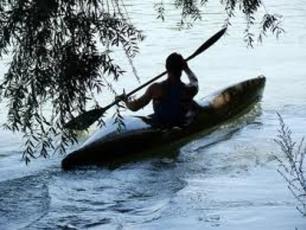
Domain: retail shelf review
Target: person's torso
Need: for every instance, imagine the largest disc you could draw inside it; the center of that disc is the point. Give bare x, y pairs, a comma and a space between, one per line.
171, 104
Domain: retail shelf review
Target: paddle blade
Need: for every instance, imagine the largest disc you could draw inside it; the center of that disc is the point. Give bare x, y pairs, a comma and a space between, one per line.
208, 43
84, 120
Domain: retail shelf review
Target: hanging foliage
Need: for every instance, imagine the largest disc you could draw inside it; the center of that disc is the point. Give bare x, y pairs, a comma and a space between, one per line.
61, 50
61, 57
191, 11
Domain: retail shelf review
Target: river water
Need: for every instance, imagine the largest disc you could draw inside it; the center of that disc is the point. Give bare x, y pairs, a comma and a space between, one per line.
225, 180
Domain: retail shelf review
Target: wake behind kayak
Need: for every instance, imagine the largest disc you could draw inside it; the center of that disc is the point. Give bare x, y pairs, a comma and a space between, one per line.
107, 146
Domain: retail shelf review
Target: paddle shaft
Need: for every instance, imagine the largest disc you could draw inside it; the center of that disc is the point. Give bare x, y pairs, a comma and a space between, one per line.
84, 120
203, 47
134, 91
152, 80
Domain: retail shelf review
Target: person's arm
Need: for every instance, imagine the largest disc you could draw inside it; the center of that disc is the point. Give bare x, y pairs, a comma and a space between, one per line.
193, 81
139, 103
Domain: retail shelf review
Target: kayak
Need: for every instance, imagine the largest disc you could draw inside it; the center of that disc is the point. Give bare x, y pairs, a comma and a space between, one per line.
108, 145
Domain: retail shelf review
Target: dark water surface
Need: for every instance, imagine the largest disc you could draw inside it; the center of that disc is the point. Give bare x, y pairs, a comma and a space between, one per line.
226, 180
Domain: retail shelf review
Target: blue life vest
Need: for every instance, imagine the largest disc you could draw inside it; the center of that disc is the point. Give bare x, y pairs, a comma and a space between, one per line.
169, 111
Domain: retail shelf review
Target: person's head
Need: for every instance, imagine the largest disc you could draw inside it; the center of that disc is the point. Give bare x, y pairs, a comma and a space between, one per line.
174, 64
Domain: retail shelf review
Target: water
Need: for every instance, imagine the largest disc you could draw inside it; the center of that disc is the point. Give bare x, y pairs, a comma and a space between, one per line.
227, 179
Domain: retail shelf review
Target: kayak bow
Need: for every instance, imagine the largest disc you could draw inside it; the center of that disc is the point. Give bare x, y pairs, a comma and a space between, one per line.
107, 145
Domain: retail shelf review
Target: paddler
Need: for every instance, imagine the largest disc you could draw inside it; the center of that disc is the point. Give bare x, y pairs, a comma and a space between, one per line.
172, 98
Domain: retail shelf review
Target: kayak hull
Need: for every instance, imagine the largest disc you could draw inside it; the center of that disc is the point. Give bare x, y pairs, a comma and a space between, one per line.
108, 146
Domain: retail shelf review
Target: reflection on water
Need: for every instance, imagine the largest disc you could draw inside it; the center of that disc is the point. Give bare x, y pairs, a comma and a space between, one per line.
225, 179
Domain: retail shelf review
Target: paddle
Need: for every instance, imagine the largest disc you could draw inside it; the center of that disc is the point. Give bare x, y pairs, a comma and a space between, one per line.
84, 120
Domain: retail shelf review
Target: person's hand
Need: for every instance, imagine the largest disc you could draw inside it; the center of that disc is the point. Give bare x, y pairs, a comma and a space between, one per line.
184, 64
122, 97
